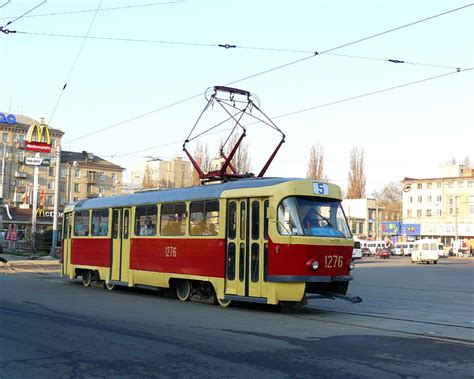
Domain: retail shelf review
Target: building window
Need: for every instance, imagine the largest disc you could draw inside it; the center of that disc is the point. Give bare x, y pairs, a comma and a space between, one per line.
5, 137
409, 213
460, 184
75, 199
77, 173
470, 183
49, 200
62, 172
62, 200
114, 177
410, 199
51, 186
101, 190
51, 171
114, 191
76, 187
438, 212
418, 213
21, 138
419, 186
428, 213
438, 185
52, 156
420, 199
428, 199
53, 142
62, 187
102, 176
450, 184
439, 198
428, 185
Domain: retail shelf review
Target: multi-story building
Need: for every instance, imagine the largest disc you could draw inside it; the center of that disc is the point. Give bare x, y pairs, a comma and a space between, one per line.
162, 174
363, 216
441, 207
82, 175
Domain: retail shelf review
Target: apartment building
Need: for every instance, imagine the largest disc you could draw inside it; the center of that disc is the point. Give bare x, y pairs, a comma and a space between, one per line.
160, 173
441, 207
82, 175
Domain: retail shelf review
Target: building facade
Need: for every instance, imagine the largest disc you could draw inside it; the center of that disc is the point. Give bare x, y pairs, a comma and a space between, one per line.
363, 217
82, 175
441, 207
174, 173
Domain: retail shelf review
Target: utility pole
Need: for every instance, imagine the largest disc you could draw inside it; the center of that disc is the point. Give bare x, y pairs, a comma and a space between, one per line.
35, 205
3, 169
57, 169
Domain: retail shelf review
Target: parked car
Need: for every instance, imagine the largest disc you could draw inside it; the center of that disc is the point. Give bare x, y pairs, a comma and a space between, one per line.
366, 252
383, 254
397, 250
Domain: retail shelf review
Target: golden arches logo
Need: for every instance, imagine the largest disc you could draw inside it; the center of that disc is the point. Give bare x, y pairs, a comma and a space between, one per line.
42, 143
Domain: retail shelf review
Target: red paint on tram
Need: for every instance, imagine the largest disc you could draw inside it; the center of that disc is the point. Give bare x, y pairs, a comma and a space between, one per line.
90, 251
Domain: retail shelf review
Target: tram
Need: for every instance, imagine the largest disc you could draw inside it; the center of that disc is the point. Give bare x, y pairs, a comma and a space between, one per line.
264, 240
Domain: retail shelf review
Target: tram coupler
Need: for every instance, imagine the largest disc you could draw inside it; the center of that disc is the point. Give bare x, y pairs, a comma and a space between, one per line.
333, 296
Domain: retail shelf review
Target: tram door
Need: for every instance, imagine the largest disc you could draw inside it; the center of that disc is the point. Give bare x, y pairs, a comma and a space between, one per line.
245, 265
120, 254
66, 243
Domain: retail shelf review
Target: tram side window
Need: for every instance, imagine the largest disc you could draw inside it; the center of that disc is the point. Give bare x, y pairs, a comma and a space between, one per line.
146, 220
204, 218
81, 223
100, 222
173, 219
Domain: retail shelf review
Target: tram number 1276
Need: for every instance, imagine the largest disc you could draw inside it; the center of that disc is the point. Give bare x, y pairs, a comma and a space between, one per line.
170, 251
333, 261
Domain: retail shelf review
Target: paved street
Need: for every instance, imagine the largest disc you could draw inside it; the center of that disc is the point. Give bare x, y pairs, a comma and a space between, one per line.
415, 320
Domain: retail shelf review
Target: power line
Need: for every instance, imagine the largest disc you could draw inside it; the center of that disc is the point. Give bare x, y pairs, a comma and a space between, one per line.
101, 10
23, 15
214, 45
75, 62
273, 69
318, 106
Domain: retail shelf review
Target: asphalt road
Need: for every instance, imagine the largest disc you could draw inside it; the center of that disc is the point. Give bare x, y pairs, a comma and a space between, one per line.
415, 321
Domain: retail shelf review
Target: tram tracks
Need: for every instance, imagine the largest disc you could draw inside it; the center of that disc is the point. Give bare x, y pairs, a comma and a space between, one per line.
411, 327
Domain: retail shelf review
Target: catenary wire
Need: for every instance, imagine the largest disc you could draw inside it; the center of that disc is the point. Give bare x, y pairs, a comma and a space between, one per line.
270, 70
101, 10
316, 107
24, 14
75, 62
200, 44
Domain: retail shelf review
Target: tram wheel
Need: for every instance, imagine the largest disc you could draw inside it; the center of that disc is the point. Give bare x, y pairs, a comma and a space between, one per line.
109, 286
183, 289
224, 303
86, 278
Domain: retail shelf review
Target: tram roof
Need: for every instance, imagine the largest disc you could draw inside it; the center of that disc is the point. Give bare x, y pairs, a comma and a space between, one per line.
178, 194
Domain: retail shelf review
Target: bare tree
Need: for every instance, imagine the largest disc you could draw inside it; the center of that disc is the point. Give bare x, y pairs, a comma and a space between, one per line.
356, 177
241, 159
467, 161
201, 155
390, 200
148, 181
451, 161
316, 164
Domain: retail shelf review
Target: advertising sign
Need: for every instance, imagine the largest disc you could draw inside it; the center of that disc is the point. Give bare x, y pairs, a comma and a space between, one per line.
411, 229
38, 139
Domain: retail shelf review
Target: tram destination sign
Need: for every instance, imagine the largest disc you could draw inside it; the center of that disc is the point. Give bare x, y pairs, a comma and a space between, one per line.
35, 161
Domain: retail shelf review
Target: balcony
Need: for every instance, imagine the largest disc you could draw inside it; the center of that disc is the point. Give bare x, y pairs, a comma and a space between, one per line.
20, 145
20, 174
91, 177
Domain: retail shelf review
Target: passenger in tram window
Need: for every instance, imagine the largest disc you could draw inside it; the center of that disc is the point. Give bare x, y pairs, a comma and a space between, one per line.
172, 227
147, 229
212, 230
200, 228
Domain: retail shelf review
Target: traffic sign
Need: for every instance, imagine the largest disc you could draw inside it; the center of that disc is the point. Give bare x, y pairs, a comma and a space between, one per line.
33, 161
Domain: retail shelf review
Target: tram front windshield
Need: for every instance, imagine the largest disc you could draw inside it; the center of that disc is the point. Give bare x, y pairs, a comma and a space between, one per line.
312, 216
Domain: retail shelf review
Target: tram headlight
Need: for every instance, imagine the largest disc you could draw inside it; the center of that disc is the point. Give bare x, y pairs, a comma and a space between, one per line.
314, 265
352, 265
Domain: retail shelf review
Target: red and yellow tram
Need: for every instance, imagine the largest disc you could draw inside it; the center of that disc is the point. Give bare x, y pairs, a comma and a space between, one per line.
267, 240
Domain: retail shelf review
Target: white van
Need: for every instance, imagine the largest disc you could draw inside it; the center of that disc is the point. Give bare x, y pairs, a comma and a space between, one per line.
405, 248
357, 251
425, 251
442, 253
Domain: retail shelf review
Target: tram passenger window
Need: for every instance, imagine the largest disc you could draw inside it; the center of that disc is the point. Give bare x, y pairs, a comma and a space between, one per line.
146, 217
173, 219
100, 222
255, 262
243, 217
255, 220
126, 223
204, 218
232, 220
231, 261
265, 219
81, 223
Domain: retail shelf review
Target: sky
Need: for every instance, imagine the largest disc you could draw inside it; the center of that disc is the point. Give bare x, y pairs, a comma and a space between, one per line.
127, 100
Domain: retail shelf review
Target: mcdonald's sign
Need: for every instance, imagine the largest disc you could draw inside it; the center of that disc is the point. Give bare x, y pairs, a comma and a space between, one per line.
38, 139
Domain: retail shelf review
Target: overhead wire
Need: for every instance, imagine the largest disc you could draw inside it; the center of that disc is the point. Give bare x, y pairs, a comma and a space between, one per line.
23, 15
75, 62
101, 10
318, 106
277, 68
